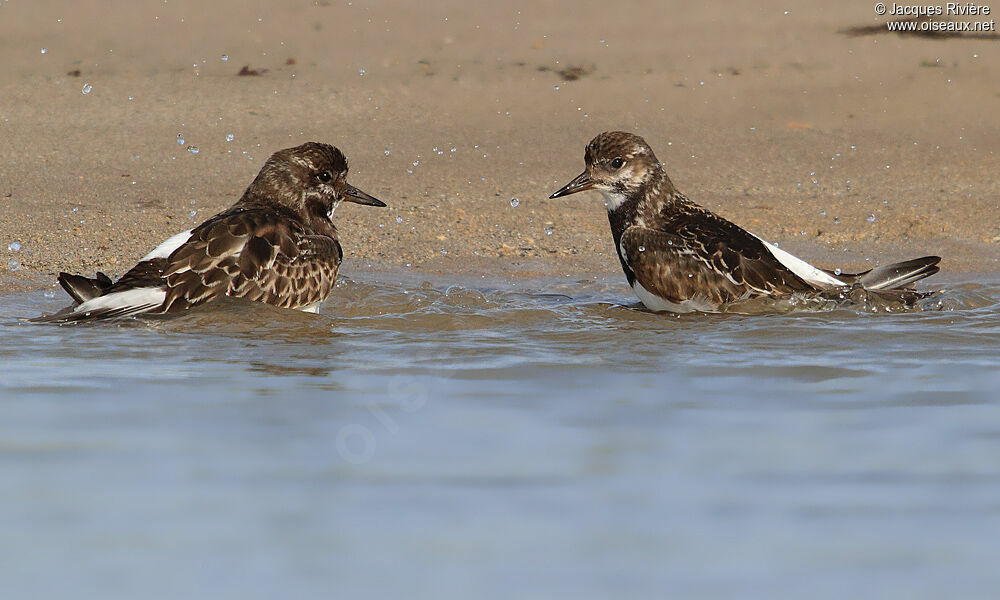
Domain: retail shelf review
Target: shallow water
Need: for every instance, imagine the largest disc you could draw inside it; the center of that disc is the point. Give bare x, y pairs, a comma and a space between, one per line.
493, 440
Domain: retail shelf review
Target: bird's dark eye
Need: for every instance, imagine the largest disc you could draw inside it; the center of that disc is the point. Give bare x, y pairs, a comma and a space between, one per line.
324, 176
617, 163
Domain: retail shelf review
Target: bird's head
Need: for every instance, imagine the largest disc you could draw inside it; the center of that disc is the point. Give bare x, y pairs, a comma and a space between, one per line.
311, 179
619, 165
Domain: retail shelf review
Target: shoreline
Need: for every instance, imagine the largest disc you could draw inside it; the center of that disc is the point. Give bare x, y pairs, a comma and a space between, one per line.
881, 146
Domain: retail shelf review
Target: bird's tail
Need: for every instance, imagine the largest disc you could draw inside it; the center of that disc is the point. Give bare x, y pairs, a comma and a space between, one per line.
84, 288
114, 305
892, 277
901, 274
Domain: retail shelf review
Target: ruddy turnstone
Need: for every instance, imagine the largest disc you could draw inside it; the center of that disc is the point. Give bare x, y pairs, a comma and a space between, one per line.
681, 257
276, 245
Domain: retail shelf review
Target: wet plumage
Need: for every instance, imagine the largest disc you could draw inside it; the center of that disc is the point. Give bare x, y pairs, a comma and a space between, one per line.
277, 245
679, 256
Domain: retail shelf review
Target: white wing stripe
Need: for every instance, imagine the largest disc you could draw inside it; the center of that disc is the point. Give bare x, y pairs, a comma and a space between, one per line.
800, 267
168, 246
145, 296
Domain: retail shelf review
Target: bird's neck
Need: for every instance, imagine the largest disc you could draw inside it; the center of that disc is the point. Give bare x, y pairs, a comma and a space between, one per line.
629, 206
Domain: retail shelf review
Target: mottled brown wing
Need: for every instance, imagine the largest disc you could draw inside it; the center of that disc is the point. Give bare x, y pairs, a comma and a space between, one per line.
704, 262
260, 255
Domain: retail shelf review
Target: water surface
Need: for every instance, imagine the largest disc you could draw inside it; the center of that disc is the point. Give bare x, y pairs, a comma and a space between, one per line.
482, 439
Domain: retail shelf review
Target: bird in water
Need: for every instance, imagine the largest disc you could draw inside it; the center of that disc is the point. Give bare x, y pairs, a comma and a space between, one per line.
277, 244
681, 257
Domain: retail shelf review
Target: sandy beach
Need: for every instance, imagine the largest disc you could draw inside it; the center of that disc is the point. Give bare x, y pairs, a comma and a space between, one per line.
845, 149
481, 409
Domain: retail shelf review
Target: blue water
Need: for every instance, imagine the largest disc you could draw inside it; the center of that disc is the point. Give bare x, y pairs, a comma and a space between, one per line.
494, 440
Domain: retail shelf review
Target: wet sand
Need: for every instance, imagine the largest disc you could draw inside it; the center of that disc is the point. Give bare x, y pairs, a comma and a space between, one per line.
843, 149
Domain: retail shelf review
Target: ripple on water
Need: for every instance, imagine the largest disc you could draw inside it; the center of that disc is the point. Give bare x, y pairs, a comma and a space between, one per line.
547, 417
557, 323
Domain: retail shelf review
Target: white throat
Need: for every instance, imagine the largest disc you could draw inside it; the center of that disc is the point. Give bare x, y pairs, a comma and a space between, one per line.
612, 200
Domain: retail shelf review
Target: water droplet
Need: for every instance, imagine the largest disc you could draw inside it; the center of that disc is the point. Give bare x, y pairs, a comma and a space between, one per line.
548, 230
822, 213
803, 232
224, 57
409, 171
131, 98
836, 220
49, 294
416, 163
13, 264
443, 251
454, 149
399, 219
871, 218
361, 71
670, 242
514, 202
45, 50
555, 87
836, 271
14, 246
193, 149
642, 248
86, 88
192, 213
180, 139
230, 137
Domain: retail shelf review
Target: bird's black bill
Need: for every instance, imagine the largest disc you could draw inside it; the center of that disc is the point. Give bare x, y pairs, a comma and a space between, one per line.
353, 194
580, 183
